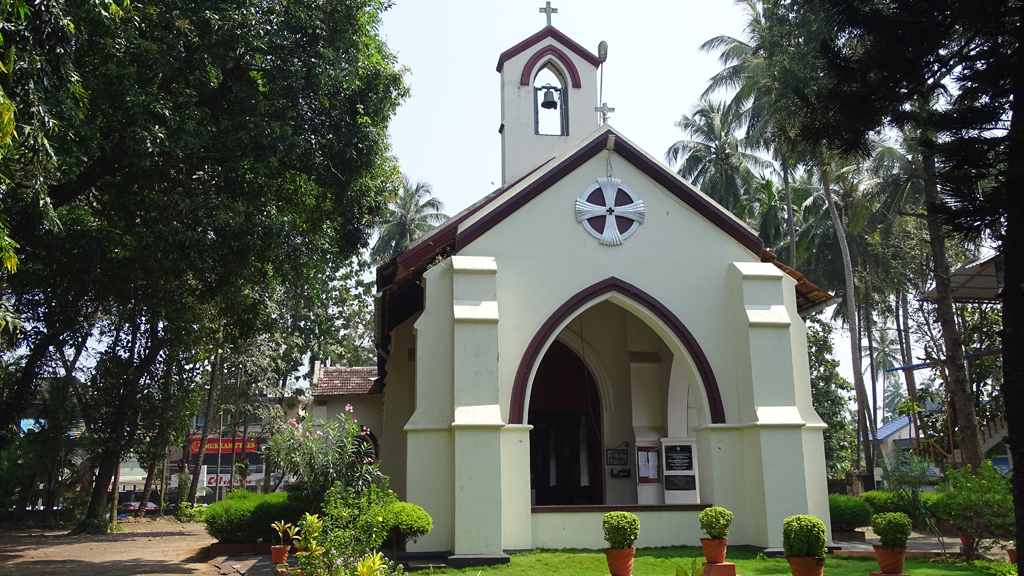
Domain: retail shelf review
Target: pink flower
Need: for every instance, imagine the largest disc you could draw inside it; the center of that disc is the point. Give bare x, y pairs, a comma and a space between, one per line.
293, 422
364, 431
319, 433
368, 461
348, 408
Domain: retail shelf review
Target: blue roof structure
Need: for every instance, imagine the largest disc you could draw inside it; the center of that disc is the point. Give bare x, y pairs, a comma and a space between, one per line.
888, 429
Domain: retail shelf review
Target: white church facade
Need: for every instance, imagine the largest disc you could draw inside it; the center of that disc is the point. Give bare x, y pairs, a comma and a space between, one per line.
595, 335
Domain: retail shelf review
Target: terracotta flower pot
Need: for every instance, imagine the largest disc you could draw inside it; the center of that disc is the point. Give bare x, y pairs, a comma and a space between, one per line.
1012, 553
714, 549
279, 554
620, 560
966, 540
890, 558
807, 566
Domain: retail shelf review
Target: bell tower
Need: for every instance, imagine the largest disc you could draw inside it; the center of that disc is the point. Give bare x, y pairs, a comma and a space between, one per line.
549, 91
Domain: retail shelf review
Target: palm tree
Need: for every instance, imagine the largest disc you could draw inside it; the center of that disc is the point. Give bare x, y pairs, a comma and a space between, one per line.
763, 96
715, 160
413, 213
765, 210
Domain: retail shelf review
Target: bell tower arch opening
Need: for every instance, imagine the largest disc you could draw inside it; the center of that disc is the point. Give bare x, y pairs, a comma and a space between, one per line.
550, 101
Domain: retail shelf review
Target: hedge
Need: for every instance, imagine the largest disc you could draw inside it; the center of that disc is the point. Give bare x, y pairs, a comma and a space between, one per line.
882, 502
848, 513
246, 517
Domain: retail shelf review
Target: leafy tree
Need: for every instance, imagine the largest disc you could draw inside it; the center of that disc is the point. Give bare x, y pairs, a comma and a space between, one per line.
218, 158
715, 159
412, 213
976, 146
828, 391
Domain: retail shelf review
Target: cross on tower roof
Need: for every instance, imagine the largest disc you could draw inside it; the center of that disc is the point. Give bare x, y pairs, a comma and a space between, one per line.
605, 110
547, 9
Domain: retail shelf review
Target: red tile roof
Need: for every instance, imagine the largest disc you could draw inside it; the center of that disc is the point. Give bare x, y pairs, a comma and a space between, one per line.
340, 380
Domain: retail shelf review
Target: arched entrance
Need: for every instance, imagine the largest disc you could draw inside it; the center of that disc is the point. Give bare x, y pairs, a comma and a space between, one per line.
565, 442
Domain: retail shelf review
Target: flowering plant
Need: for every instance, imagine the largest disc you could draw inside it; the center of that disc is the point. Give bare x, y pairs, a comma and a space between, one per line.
338, 452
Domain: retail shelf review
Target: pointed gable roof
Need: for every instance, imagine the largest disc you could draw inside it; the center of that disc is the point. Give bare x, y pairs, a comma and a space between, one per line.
547, 32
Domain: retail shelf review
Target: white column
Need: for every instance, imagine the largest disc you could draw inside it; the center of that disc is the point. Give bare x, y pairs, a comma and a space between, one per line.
477, 427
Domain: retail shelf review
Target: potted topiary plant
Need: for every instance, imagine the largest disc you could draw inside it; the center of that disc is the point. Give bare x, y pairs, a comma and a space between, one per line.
803, 542
893, 528
715, 522
1012, 553
620, 531
279, 554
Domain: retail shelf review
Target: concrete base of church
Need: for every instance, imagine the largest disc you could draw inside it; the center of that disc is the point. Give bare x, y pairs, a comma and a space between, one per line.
460, 561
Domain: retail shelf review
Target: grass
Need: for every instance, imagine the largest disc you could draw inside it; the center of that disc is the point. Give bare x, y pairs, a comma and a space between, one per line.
663, 562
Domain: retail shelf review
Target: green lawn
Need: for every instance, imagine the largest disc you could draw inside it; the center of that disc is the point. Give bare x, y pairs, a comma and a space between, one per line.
663, 561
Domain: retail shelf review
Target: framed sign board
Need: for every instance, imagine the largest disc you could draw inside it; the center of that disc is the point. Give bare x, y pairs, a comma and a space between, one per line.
680, 482
679, 458
616, 457
647, 465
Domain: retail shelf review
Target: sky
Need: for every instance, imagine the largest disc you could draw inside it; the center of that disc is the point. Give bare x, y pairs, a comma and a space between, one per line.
446, 132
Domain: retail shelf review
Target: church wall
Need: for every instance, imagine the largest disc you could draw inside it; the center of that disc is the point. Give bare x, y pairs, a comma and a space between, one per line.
683, 261
675, 255
583, 529
430, 446
399, 403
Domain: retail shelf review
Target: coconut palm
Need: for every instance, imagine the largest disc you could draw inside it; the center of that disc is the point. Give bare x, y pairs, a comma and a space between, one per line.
716, 160
413, 213
765, 210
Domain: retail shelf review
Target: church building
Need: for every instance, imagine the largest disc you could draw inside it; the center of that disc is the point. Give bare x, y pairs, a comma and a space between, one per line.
595, 335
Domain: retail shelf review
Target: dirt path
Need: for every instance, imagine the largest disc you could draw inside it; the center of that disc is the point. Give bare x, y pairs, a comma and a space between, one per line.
161, 546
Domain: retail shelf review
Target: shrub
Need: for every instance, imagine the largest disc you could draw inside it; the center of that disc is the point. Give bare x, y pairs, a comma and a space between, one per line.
715, 522
848, 513
352, 526
320, 457
893, 528
408, 522
188, 513
621, 529
980, 504
882, 501
803, 536
101, 526
247, 517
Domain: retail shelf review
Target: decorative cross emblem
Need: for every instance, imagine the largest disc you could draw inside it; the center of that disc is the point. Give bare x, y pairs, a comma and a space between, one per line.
605, 110
610, 214
547, 9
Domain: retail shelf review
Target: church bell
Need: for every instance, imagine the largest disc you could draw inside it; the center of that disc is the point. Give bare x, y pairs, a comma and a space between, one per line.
549, 102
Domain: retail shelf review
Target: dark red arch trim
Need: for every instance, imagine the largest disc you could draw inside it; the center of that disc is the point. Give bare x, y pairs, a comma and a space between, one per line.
577, 301
550, 50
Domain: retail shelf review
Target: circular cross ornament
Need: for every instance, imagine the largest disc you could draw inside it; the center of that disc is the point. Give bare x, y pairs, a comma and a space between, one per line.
609, 211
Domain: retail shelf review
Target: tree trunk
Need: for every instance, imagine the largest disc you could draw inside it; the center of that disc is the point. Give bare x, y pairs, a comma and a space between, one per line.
115, 491
1013, 301
790, 219
908, 359
868, 327
197, 462
146, 489
234, 431
220, 455
851, 314
959, 388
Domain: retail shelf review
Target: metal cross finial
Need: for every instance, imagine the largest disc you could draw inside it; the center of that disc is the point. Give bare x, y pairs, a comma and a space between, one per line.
547, 9
605, 110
